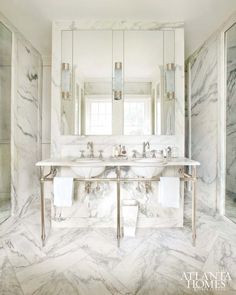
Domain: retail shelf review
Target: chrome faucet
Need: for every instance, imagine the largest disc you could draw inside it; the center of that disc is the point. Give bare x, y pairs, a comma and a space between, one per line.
90, 148
145, 145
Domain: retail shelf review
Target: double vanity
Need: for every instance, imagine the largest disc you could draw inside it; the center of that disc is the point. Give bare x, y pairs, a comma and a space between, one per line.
91, 169
129, 91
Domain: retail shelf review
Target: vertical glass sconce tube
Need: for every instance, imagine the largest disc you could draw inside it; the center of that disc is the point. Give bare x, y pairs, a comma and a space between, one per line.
170, 81
117, 81
65, 81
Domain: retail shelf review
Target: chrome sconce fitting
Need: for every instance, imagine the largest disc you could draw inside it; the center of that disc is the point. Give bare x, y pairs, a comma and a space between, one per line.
88, 187
66, 81
170, 81
117, 81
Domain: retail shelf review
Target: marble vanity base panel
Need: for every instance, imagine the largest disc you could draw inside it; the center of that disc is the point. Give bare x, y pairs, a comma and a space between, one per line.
98, 208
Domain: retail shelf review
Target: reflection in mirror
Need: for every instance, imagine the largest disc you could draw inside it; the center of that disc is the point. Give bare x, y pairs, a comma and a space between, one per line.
118, 82
143, 59
5, 122
230, 194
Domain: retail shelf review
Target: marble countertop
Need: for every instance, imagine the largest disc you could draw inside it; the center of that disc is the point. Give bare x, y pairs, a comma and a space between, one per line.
73, 162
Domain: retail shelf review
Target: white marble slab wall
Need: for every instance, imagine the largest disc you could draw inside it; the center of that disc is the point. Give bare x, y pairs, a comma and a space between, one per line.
26, 124
231, 111
25, 135
204, 119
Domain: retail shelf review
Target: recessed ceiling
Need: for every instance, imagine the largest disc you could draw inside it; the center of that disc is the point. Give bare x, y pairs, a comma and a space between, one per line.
33, 18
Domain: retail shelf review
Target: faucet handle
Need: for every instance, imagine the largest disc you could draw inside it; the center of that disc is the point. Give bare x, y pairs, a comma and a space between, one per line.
82, 153
134, 154
168, 151
100, 154
153, 153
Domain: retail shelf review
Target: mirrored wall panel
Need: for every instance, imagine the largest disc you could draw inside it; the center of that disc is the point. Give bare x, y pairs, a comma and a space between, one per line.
118, 82
230, 194
5, 122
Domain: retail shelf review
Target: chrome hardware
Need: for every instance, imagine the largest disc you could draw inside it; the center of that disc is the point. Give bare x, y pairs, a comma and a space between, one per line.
90, 148
88, 187
119, 152
153, 153
168, 151
134, 154
145, 145
100, 154
82, 154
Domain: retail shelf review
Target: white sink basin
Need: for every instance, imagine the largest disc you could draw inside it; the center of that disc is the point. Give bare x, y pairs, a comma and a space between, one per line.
146, 171
92, 170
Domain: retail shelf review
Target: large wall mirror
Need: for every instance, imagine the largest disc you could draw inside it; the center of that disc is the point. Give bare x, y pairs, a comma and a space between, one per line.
118, 82
230, 70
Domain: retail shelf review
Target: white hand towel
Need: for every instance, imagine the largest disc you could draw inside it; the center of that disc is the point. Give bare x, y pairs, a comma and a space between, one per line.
63, 191
169, 192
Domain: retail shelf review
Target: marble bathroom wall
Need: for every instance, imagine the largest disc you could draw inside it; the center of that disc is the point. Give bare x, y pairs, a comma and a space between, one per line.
25, 137
204, 118
207, 120
231, 111
26, 131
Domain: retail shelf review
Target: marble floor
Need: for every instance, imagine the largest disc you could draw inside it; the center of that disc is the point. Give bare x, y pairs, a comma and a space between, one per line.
87, 261
230, 205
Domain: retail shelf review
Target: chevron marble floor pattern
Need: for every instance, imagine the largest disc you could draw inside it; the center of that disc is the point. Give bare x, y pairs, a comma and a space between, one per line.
87, 261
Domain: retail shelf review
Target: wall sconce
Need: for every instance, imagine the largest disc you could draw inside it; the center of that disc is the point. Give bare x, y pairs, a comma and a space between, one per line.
170, 81
65, 81
117, 82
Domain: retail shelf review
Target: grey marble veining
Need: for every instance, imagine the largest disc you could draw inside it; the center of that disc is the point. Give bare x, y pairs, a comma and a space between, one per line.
26, 131
204, 119
230, 204
24, 138
82, 261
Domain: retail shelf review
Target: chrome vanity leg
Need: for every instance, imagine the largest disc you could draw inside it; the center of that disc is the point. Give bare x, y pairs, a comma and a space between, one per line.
43, 236
194, 175
118, 205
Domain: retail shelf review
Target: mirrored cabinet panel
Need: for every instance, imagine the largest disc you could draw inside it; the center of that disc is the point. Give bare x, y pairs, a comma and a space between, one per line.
118, 82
